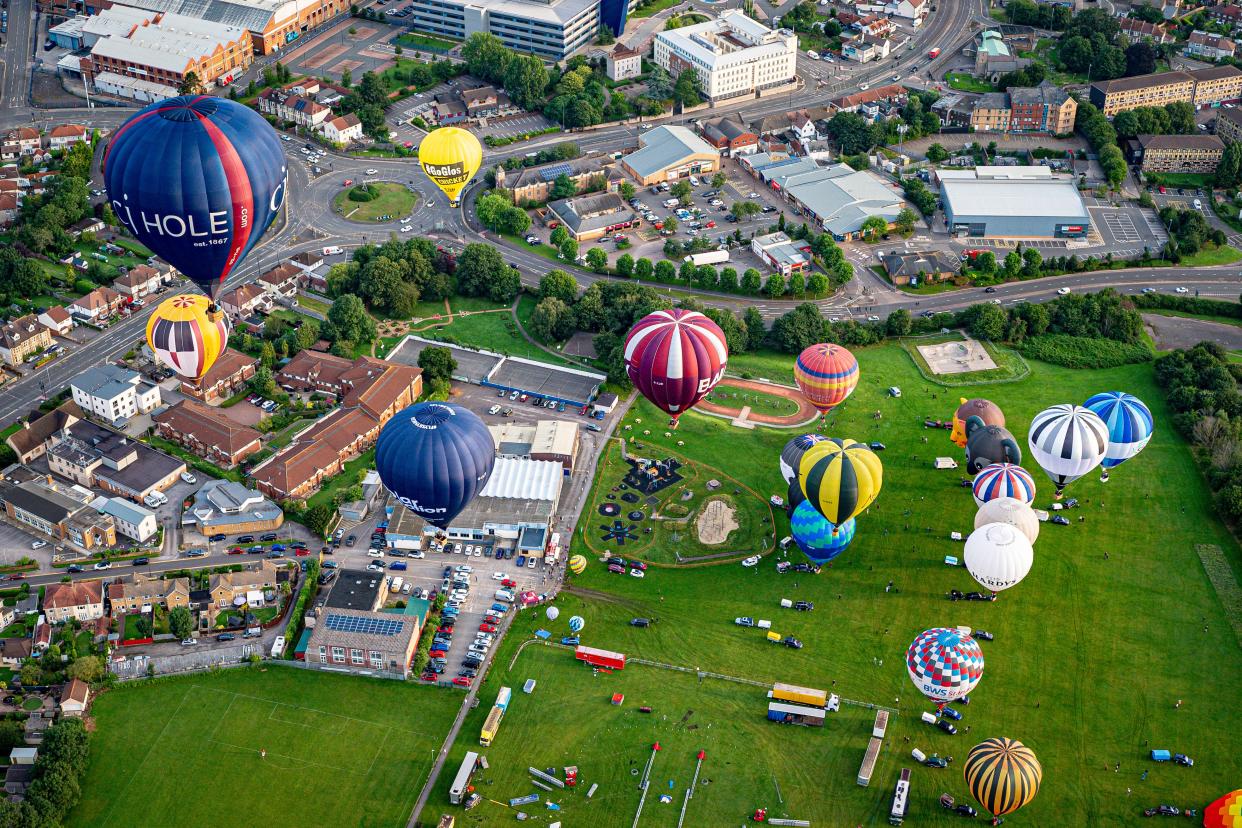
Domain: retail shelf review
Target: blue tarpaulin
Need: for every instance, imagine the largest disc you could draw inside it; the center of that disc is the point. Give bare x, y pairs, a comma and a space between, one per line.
544, 634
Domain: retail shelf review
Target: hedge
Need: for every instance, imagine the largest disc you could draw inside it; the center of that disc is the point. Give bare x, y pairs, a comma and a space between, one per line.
363, 192
1082, 351
1188, 304
310, 584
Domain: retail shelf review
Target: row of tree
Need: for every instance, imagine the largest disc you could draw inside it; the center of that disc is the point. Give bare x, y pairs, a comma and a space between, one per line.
57, 783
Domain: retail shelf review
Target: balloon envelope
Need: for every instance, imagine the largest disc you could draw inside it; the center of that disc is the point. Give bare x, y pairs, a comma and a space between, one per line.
986, 410
450, 156
818, 539
988, 444
944, 664
577, 564
826, 374
576, 623
435, 457
674, 357
553, 613
1002, 774
1011, 511
1003, 480
1225, 812
1067, 441
1129, 424
186, 335
791, 455
198, 180
998, 556
840, 477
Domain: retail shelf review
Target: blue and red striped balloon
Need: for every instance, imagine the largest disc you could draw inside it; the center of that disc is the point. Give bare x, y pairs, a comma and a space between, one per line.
1003, 480
198, 180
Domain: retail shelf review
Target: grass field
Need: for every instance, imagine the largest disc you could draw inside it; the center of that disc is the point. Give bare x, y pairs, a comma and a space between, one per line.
1091, 653
964, 82
395, 200
495, 332
736, 397
1209, 256
341, 750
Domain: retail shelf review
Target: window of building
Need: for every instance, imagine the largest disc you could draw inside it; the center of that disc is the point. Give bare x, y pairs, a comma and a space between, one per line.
355, 656
377, 658
338, 653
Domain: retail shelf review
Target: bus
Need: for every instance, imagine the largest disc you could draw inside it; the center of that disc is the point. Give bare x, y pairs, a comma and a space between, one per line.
900, 796
934, 53
461, 782
491, 726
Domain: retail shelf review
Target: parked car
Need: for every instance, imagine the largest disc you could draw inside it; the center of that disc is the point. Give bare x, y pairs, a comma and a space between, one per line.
790, 641
946, 726
74, 568
101, 565
983, 635
640, 622
141, 561
225, 637
217, 538
803, 606
951, 713
188, 642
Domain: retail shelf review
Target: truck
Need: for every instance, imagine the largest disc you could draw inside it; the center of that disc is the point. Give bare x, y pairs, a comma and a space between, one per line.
901, 795
708, 257
600, 658
934, 53
502, 698
334, 250
799, 695
554, 548
491, 726
461, 782
396, 584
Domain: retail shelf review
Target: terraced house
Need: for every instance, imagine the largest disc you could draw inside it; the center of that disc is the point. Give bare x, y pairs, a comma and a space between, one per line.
1200, 87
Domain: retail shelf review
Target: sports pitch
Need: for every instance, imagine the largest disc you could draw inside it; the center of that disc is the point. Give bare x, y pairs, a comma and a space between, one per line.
188, 751
1090, 655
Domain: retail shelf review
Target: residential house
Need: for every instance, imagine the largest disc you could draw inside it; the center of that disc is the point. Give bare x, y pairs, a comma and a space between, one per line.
226, 587
281, 280
593, 216
57, 512
228, 376
534, 184
485, 102
1179, 153
921, 266
66, 135
447, 108
244, 300
914, 10
285, 104
1229, 125
343, 130
1228, 14
730, 136
307, 261
894, 94
139, 281
1201, 87
865, 49
82, 600
90, 224
57, 320
26, 139
623, 63
74, 697
10, 203
114, 393
1137, 30
31, 440
133, 594
92, 455
132, 519
98, 306
364, 641
1209, 46
207, 432
875, 25
13, 651
22, 337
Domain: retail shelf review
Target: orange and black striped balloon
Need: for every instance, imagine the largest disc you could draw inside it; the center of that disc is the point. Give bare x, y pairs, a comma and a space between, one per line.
1002, 774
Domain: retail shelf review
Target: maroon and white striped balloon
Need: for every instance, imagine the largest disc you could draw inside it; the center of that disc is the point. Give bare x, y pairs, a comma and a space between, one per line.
674, 357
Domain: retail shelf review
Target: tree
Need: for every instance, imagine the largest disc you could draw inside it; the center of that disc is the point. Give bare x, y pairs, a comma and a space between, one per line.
486, 56
1076, 53
1032, 261
752, 281
817, 284
31, 674
643, 269
1109, 63
190, 84
180, 624
478, 266
659, 84
719, 180
985, 262
665, 271
552, 320
755, 330
799, 329
937, 153
1229, 170
686, 271
597, 260
316, 518
569, 249
686, 90
1013, 263
670, 224
560, 284
267, 355
625, 265
349, 319
563, 187
680, 190
437, 363
262, 383
1181, 117
905, 221
775, 285
851, 132
526, 81
873, 226
505, 287
626, 190
558, 236
797, 283
1140, 59
88, 668
989, 322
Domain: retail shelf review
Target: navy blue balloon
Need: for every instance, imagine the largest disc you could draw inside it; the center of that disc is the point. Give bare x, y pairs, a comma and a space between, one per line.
198, 180
435, 457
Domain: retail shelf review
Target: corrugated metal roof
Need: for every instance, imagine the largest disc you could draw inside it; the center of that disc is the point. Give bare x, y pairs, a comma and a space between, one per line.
667, 146
524, 479
254, 15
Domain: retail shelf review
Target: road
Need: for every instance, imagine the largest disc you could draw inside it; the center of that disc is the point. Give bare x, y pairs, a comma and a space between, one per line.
15, 56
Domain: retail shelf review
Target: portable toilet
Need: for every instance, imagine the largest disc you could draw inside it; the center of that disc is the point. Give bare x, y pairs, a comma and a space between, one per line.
1161, 756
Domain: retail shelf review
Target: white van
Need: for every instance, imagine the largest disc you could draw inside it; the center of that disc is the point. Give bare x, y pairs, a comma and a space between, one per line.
396, 584
763, 624
333, 251
812, 54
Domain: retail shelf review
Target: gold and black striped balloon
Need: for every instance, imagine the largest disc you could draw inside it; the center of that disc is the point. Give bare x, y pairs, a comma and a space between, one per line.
841, 478
1002, 774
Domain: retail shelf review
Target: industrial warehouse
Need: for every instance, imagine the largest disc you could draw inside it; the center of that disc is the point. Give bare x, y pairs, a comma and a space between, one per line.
1012, 202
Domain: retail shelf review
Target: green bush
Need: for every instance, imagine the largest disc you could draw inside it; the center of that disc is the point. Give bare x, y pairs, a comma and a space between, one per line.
1083, 351
1188, 304
363, 192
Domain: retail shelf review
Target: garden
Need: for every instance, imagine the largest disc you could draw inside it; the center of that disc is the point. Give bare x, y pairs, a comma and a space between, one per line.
373, 201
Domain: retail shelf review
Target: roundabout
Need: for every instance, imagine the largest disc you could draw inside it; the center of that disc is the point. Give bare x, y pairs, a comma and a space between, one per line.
375, 202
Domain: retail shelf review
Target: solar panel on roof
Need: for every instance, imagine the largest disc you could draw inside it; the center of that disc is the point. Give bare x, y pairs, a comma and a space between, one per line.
550, 173
368, 626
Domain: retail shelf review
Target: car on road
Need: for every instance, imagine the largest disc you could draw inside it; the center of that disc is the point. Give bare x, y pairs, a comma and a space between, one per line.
1181, 289
1148, 290
102, 565
225, 637
188, 642
141, 561
372, 171
989, 289
1063, 291
39, 544
74, 568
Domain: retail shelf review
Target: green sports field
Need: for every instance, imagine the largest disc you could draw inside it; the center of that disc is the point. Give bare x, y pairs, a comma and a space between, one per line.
185, 751
1090, 653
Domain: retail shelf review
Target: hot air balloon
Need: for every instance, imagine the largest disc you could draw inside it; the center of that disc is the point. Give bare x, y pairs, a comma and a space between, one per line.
1225, 812
435, 457
792, 454
793, 497
1067, 441
198, 180
576, 623
674, 357
818, 539
840, 478
1002, 774
944, 664
988, 444
1129, 424
826, 375
1011, 511
998, 556
1003, 480
577, 564
553, 613
450, 156
186, 335
986, 410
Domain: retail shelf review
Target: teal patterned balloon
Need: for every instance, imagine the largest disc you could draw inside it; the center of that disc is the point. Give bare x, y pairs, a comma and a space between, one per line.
816, 537
576, 623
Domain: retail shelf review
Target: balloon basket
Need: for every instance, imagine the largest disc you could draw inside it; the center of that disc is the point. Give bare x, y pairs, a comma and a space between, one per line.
673, 424
1104, 477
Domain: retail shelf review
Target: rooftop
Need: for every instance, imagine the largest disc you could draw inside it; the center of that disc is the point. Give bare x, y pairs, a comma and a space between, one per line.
1022, 198
20, 330
211, 427
76, 594
843, 198
589, 213
105, 381
666, 146
921, 261
254, 15
126, 510
356, 589
730, 33
162, 41
1181, 142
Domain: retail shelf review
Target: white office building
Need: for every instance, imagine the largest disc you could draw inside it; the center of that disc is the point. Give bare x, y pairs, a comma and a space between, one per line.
114, 393
552, 30
132, 520
733, 55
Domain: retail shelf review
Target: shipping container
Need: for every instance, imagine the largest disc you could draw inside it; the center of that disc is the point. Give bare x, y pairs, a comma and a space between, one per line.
457, 793
795, 714
801, 695
600, 658
868, 762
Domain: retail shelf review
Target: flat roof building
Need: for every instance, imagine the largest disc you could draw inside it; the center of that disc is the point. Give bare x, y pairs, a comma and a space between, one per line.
836, 197
554, 440
550, 29
357, 589
733, 56
230, 508
1012, 202
670, 152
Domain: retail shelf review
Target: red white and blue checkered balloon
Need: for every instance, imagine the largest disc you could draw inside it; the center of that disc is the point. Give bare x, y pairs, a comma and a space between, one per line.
1003, 480
944, 664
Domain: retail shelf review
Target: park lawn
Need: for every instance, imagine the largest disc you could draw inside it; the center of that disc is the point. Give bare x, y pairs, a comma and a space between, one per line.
395, 200
426, 42
334, 743
1196, 180
964, 82
1009, 363
348, 477
1209, 256
736, 397
762, 364
495, 332
310, 303
1109, 643
285, 436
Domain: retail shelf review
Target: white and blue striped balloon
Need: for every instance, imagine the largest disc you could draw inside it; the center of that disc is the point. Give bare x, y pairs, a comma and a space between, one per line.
1003, 480
576, 623
1129, 424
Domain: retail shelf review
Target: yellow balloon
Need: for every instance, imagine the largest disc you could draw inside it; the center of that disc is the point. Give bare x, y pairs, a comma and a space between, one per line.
577, 564
450, 157
187, 333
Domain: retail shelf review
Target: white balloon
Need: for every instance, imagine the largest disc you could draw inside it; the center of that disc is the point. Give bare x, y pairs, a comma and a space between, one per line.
1012, 511
553, 613
998, 556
